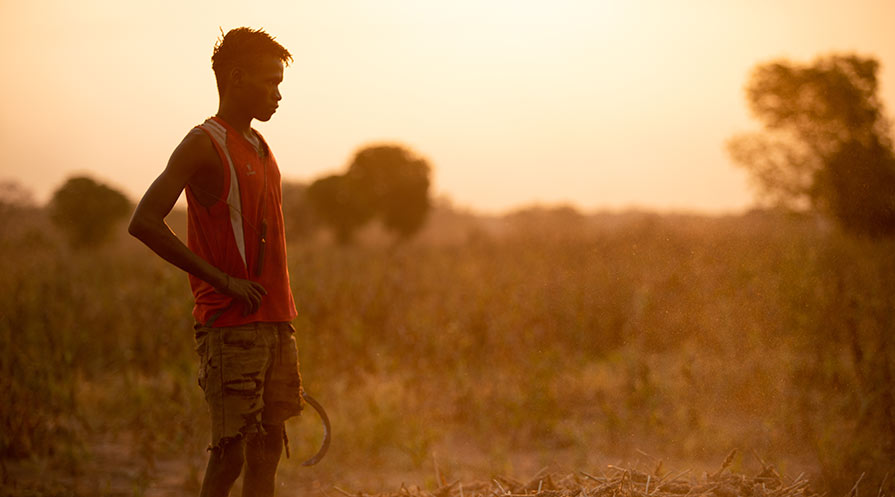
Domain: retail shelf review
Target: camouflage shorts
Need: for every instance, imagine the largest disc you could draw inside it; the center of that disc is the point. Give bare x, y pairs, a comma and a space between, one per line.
250, 377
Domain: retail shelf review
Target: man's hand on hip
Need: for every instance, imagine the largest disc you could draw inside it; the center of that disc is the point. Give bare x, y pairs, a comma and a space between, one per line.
249, 292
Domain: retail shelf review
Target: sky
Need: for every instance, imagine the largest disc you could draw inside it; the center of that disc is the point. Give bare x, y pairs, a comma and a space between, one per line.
601, 104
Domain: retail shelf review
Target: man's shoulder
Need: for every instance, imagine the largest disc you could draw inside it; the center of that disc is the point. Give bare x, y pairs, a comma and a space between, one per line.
197, 137
196, 160
196, 145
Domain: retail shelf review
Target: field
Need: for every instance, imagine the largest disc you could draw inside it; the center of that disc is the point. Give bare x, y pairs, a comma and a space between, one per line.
512, 347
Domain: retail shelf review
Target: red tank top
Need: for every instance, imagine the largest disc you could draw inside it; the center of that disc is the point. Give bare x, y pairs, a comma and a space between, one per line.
242, 233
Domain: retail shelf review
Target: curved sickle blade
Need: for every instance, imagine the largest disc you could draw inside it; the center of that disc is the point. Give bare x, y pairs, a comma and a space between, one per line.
326, 430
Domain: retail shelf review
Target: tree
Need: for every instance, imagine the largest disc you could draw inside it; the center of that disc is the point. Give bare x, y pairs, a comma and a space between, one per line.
15, 200
14, 196
394, 183
859, 188
826, 144
297, 210
87, 211
336, 203
547, 222
388, 182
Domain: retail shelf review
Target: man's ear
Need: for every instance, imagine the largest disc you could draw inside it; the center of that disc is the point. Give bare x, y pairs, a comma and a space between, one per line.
236, 76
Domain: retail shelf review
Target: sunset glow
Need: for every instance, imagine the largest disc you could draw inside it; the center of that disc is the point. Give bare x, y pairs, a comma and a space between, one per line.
513, 248
601, 104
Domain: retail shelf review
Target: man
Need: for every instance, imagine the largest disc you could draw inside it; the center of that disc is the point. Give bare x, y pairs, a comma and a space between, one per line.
236, 260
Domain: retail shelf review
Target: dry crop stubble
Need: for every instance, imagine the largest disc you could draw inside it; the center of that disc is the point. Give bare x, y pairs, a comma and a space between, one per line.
502, 354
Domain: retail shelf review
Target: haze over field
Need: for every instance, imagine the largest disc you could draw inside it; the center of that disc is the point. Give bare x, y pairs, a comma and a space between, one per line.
542, 342
597, 103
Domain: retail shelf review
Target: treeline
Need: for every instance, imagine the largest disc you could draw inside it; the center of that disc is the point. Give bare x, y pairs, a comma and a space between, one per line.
387, 183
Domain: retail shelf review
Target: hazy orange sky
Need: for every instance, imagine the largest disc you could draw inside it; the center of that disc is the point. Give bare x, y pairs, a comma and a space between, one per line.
603, 104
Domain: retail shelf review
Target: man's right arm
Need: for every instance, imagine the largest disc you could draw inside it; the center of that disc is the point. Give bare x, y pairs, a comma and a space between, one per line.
193, 158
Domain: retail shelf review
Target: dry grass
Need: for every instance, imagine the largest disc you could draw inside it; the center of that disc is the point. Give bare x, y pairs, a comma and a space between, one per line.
502, 348
617, 481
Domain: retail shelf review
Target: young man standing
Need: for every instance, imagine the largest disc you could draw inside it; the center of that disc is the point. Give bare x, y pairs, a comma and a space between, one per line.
236, 260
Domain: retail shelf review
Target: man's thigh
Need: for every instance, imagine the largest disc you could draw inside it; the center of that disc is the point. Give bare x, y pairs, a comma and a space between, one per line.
234, 362
282, 387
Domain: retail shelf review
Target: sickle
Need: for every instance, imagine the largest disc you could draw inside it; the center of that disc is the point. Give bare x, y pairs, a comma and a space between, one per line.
326, 430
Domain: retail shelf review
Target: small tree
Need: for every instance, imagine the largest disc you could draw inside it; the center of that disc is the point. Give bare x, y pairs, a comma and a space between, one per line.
826, 143
87, 211
336, 203
297, 210
556, 222
14, 196
15, 199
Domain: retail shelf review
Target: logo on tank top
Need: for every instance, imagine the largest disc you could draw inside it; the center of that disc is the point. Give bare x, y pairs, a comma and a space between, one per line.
249, 167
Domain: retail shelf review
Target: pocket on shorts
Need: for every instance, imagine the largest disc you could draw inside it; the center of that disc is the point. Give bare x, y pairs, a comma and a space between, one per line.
201, 338
283, 390
243, 337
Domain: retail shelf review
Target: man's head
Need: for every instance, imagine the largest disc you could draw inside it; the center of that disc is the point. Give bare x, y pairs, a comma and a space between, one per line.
248, 66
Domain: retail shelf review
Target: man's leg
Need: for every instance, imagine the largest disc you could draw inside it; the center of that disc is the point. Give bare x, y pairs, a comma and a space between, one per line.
262, 455
224, 465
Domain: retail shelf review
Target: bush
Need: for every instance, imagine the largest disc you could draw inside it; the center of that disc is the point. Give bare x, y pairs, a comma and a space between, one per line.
87, 211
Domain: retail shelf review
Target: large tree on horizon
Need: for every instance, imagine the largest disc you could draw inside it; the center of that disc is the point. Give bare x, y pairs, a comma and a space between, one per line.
386, 182
826, 144
395, 183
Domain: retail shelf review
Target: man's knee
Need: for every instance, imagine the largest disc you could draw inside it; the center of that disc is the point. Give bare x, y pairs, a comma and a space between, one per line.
268, 442
224, 465
228, 457
274, 429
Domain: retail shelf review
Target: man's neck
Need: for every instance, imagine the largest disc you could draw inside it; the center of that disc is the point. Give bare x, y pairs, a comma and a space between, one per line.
238, 120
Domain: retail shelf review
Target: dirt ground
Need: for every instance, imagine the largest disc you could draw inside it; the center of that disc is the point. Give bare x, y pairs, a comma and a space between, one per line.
112, 470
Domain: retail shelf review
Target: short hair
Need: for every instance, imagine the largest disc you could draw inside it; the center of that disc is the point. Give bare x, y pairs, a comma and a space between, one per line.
241, 46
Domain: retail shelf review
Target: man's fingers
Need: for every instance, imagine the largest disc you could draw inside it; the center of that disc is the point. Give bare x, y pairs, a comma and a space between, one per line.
251, 293
253, 297
251, 304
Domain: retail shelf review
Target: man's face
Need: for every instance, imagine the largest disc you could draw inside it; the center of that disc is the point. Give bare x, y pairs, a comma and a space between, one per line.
259, 87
